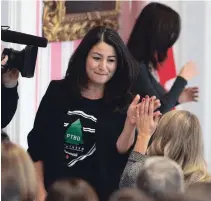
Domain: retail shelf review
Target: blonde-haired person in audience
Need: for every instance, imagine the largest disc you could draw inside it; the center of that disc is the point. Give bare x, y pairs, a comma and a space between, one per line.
18, 178
178, 136
129, 194
71, 190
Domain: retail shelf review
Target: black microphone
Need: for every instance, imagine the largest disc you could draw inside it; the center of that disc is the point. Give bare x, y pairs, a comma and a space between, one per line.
21, 38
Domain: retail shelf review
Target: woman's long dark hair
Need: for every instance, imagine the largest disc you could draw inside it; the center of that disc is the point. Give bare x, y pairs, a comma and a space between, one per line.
155, 31
117, 90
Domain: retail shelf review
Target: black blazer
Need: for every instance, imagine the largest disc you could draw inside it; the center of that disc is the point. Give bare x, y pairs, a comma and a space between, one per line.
46, 140
146, 84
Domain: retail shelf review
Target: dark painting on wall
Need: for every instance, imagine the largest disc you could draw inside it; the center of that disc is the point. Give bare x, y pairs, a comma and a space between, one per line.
89, 6
71, 20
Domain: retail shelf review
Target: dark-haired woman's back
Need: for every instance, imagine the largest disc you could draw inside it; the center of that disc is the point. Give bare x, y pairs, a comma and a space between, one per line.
156, 30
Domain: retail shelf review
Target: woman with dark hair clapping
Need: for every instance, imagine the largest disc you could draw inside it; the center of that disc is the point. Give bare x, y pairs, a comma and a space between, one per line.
85, 123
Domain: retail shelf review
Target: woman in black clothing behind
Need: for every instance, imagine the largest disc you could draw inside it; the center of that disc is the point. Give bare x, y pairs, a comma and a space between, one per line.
156, 30
83, 127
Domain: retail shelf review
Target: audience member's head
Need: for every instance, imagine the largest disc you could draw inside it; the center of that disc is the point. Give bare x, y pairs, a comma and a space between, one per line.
71, 190
195, 192
18, 177
199, 192
129, 194
160, 175
179, 137
4, 136
172, 197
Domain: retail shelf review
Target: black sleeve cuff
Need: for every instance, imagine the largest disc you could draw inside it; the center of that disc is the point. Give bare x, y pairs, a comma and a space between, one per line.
170, 100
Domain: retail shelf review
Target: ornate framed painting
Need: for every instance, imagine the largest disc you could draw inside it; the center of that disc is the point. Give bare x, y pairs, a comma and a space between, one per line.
71, 20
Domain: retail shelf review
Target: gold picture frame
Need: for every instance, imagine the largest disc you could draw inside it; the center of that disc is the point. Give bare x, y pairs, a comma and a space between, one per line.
58, 25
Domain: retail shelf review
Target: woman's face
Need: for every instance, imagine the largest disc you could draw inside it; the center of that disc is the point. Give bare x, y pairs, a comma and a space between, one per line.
101, 63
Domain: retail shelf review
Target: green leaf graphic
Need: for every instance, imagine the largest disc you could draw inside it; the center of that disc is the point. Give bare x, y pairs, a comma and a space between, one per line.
74, 134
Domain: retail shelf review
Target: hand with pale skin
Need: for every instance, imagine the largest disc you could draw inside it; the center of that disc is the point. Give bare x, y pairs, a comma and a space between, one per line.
10, 77
189, 71
127, 136
41, 195
146, 123
131, 113
4, 61
189, 94
146, 119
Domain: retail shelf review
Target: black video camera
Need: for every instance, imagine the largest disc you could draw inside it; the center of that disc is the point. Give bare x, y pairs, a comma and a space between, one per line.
24, 60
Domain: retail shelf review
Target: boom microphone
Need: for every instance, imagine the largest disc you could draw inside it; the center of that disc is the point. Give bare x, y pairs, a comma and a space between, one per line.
21, 38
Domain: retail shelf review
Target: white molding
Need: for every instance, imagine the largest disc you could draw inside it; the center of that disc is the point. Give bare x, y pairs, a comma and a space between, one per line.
67, 50
13, 21
207, 85
27, 86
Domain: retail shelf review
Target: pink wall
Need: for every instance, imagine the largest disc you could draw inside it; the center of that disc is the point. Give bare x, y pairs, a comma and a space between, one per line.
129, 12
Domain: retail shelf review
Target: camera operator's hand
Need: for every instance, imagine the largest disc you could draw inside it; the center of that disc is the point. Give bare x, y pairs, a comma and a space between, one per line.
4, 61
10, 78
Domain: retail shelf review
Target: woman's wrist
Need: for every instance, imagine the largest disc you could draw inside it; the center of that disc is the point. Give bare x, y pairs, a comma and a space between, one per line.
126, 138
144, 133
142, 143
143, 136
128, 125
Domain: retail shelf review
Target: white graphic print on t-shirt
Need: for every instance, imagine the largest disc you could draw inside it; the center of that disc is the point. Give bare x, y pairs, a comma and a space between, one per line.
79, 139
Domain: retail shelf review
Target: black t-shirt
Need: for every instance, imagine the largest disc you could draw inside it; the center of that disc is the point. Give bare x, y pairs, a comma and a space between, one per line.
80, 139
